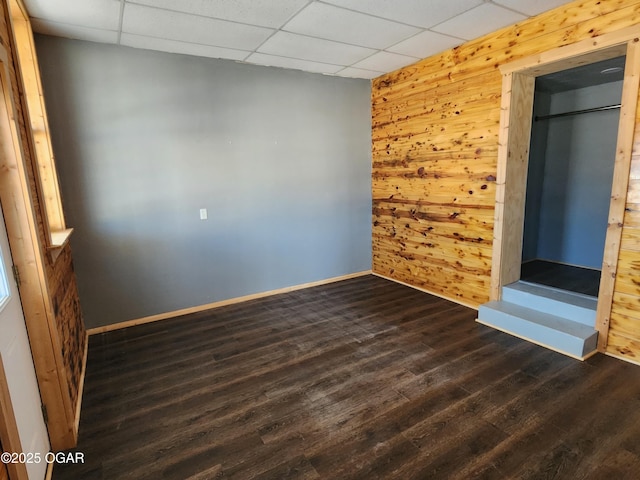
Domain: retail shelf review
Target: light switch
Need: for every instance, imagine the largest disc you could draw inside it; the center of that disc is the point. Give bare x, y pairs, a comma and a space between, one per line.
203, 214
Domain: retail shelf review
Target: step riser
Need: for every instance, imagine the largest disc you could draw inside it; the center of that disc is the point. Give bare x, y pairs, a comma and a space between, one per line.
542, 335
575, 313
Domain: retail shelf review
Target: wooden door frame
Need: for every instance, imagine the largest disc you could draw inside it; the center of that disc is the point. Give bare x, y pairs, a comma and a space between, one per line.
9, 436
513, 157
28, 257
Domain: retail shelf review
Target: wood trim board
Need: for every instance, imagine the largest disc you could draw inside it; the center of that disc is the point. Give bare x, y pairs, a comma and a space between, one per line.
513, 159
515, 120
221, 303
22, 232
579, 53
81, 383
624, 149
4, 474
37, 118
9, 429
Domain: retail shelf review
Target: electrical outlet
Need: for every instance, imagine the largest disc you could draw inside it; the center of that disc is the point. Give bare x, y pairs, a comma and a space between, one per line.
203, 214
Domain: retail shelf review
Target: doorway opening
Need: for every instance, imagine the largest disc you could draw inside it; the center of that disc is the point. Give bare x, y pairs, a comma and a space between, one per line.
570, 172
516, 123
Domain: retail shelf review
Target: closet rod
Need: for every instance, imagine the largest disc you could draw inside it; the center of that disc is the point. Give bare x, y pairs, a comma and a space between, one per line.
577, 112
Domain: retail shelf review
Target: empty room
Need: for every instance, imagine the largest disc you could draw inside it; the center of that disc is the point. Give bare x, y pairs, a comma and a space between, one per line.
320, 239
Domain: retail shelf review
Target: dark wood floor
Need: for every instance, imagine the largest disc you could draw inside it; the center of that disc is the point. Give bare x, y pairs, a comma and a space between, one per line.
358, 379
567, 277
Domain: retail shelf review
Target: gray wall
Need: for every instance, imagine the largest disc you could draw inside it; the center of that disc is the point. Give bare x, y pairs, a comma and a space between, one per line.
573, 205
535, 176
143, 140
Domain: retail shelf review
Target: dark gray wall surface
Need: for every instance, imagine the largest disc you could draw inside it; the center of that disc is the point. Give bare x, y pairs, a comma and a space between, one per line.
535, 176
143, 140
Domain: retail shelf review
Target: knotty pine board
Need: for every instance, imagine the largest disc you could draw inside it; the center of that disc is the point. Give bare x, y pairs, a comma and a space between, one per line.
68, 336
435, 131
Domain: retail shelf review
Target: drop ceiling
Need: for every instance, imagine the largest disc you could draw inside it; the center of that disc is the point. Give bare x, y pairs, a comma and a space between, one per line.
349, 38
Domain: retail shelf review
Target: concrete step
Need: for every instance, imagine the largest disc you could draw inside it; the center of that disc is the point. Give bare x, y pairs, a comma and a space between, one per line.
563, 335
573, 306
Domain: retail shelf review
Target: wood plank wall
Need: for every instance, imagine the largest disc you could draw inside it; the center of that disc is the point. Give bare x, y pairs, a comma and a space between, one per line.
61, 284
435, 141
624, 327
66, 308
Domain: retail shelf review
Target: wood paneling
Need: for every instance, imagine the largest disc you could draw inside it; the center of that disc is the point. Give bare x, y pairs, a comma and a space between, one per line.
25, 56
71, 331
624, 328
48, 292
619, 192
359, 379
442, 115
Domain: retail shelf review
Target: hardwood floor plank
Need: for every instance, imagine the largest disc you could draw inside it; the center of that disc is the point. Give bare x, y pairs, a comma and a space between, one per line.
298, 468
214, 472
444, 460
359, 379
620, 464
506, 460
541, 401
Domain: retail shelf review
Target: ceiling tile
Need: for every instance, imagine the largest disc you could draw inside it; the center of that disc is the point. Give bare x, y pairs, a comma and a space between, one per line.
352, 72
420, 13
173, 46
368, 36
385, 62
284, 62
333, 23
104, 14
266, 13
468, 27
287, 44
74, 31
153, 22
425, 44
531, 8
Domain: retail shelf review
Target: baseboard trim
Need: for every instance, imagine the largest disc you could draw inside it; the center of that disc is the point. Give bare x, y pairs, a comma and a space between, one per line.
81, 385
221, 303
424, 290
621, 358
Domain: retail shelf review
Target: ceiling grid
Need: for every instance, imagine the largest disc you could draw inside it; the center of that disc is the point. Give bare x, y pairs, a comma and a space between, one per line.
351, 38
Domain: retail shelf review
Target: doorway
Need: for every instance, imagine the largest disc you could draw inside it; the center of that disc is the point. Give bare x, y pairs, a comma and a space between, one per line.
518, 90
569, 176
